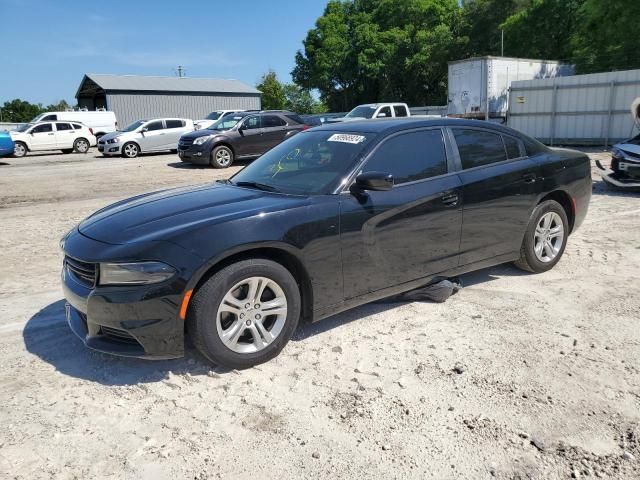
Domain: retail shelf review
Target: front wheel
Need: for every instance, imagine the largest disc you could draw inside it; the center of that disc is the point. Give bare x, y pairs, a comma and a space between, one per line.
130, 150
221, 157
245, 314
545, 239
81, 145
19, 149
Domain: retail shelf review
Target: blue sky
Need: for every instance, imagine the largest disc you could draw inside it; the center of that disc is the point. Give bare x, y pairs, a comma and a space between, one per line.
49, 44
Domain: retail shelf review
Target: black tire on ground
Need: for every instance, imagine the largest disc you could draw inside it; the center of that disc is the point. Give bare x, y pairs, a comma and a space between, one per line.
130, 150
221, 157
528, 259
202, 314
20, 149
67, 150
81, 145
174, 151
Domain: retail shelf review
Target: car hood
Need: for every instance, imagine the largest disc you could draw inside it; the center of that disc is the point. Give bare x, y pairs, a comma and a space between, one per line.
202, 133
161, 215
629, 147
109, 136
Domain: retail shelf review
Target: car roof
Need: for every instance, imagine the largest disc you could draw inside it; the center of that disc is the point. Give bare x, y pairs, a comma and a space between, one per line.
390, 125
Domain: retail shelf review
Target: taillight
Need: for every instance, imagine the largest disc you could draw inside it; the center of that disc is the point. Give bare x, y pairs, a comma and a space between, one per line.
305, 127
91, 130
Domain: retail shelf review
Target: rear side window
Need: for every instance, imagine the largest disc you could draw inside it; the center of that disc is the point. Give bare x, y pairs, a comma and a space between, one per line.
478, 147
533, 147
45, 127
410, 156
269, 121
63, 126
157, 125
77, 127
174, 123
294, 118
400, 110
512, 146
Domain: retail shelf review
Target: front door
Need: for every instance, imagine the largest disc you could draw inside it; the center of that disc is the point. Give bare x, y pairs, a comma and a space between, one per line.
499, 188
274, 129
411, 231
250, 142
153, 136
43, 137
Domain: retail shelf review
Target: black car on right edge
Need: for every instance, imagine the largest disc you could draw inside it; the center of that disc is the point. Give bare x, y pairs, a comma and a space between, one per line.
332, 218
238, 136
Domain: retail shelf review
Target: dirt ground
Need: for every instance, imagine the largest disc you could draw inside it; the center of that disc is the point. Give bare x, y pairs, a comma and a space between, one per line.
517, 376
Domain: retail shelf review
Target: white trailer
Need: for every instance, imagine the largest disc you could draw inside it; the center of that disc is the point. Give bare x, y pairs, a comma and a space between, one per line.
479, 87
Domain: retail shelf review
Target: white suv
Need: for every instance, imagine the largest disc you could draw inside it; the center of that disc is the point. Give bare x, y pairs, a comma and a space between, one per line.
213, 117
157, 135
65, 136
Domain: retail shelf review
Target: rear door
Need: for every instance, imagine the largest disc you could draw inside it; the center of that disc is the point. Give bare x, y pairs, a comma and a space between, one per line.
411, 231
250, 137
65, 135
174, 129
274, 129
499, 189
153, 136
43, 137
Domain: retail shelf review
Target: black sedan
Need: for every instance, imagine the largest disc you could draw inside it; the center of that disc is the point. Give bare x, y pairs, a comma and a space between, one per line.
332, 218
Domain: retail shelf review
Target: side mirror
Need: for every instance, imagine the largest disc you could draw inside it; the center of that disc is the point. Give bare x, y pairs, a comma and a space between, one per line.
144, 130
381, 115
374, 181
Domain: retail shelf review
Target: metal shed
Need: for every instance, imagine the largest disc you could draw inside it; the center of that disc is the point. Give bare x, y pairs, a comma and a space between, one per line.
134, 97
593, 109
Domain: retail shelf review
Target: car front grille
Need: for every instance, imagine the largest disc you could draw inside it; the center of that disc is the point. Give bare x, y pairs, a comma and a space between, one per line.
117, 335
83, 271
185, 143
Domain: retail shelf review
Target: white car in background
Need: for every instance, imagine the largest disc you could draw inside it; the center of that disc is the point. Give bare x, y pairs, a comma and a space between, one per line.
143, 136
40, 136
101, 122
213, 117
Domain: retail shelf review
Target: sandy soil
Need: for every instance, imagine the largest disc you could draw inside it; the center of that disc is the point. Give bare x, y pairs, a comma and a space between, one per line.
517, 376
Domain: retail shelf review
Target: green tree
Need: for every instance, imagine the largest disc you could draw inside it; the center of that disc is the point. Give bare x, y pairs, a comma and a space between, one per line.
481, 24
61, 106
20, 111
607, 37
273, 97
300, 100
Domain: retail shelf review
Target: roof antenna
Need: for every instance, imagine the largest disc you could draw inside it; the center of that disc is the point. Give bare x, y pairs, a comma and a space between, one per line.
180, 71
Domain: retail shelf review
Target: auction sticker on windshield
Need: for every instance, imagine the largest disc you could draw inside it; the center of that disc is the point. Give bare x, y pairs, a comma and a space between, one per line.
345, 138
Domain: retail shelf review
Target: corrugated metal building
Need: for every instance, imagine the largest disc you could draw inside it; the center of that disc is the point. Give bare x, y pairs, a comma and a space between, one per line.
134, 97
593, 109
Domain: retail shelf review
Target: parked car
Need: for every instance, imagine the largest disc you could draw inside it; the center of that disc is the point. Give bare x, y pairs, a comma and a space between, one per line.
6, 144
42, 136
332, 218
375, 110
144, 136
242, 135
213, 117
101, 122
625, 165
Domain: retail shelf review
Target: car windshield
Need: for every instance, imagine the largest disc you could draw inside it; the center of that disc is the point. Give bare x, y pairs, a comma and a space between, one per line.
363, 111
214, 115
24, 128
226, 123
311, 162
634, 141
134, 126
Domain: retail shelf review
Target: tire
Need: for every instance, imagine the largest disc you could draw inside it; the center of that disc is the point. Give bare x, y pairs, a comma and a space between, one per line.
81, 145
221, 157
20, 149
130, 150
209, 320
544, 242
67, 150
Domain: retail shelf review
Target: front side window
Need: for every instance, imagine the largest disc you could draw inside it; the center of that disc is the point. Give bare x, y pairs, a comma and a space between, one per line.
269, 121
307, 163
410, 156
400, 110
385, 112
63, 126
175, 123
479, 147
157, 125
252, 123
45, 127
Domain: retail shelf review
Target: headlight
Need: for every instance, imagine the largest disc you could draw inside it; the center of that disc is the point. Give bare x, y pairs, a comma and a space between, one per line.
201, 140
617, 153
114, 140
139, 273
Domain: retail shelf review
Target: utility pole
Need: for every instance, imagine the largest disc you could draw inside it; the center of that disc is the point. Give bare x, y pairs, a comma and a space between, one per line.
180, 71
502, 43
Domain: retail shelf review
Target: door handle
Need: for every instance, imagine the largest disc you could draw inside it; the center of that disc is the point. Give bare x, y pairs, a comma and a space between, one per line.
50, 134
450, 199
529, 178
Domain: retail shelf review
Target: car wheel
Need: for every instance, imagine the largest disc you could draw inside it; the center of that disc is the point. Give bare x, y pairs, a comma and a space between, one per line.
81, 145
19, 149
67, 150
545, 239
221, 157
245, 314
130, 150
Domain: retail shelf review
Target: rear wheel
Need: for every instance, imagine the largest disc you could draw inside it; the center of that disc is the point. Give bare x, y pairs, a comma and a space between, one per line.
19, 149
221, 157
130, 150
545, 239
81, 145
245, 314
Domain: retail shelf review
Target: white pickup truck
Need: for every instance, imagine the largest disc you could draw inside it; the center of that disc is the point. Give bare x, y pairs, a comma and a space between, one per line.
376, 110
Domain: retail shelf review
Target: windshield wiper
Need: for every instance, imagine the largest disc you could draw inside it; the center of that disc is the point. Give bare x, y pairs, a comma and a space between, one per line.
257, 185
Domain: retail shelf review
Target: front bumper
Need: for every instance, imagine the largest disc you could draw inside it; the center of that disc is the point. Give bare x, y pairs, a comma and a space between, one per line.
134, 321
197, 154
627, 178
109, 148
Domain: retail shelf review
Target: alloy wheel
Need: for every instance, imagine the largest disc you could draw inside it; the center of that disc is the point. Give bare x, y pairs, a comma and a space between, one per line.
130, 150
548, 237
251, 315
223, 157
